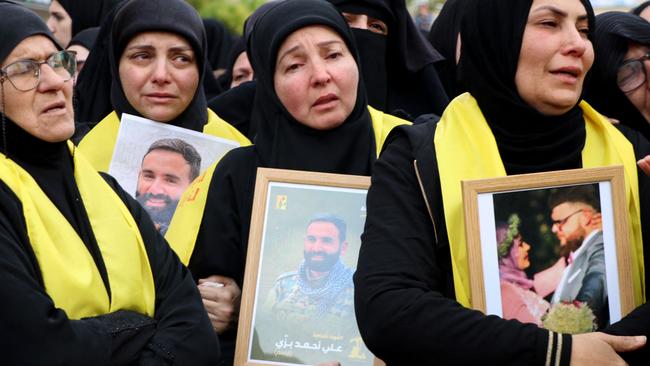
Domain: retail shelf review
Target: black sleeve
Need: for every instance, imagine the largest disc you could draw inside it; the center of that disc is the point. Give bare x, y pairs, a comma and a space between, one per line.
221, 243
638, 322
402, 313
183, 334
34, 330
222, 240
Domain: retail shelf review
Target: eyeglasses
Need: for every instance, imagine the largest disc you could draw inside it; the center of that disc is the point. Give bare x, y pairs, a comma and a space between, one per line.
25, 75
563, 221
632, 74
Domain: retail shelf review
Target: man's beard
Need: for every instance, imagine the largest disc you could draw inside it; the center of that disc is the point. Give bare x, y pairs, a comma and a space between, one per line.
325, 265
570, 246
161, 216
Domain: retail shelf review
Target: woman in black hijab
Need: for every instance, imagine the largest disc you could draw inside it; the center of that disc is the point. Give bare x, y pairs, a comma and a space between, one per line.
173, 96
69, 17
81, 44
238, 68
322, 125
397, 67
523, 63
219, 43
444, 36
84, 276
617, 88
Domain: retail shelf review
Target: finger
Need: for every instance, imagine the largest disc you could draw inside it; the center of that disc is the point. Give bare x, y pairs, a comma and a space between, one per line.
209, 293
644, 164
625, 343
211, 307
219, 279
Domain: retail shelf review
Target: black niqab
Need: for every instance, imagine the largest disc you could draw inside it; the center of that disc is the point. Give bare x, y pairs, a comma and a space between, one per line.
49, 163
87, 13
444, 37
528, 141
398, 68
283, 142
614, 32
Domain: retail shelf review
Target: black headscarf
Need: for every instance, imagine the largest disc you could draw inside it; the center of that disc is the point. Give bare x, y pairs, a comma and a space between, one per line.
219, 43
528, 141
235, 105
175, 16
86, 38
444, 36
397, 69
639, 9
50, 164
283, 142
93, 87
615, 30
237, 48
87, 13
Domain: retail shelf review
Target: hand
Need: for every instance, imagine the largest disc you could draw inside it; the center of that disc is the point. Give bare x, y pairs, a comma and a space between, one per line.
221, 298
644, 164
596, 349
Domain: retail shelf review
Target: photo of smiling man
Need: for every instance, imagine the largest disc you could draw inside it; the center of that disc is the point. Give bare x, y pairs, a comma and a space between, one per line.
168, 167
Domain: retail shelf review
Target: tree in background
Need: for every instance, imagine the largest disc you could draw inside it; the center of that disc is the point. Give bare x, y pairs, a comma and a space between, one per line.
231, 13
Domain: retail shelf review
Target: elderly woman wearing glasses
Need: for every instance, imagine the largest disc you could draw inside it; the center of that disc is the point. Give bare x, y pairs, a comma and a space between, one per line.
619, 87
84, 276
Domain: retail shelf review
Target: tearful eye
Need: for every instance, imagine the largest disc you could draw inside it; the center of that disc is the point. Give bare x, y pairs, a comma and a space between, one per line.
334, 55
292, 67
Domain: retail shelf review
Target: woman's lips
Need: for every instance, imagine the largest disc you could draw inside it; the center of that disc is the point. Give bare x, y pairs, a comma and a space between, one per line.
54, 108
160, 97
568, 75
325, 102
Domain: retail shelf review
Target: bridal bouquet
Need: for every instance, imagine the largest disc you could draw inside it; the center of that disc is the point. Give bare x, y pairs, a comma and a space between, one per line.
572, 318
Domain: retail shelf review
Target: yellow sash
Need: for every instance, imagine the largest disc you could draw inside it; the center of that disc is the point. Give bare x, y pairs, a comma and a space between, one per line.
98, 145
184, 226
466, 149
69, 272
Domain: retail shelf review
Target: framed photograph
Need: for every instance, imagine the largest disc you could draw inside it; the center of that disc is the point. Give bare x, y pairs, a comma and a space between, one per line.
156, 162
298, 297
550, 248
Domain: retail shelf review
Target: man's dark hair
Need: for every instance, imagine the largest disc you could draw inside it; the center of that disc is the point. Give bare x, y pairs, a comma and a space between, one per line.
334, 220
587, 194
187, 151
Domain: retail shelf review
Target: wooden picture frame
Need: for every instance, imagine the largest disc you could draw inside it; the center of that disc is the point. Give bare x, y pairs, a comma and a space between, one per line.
489, 208
277, 325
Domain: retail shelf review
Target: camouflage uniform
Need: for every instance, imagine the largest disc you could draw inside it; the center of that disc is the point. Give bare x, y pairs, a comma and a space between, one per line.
291, 300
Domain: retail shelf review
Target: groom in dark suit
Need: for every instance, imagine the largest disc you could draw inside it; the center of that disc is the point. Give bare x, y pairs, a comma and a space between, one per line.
577, 223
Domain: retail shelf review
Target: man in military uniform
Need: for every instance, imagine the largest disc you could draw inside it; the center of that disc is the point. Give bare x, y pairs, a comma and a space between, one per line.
322, 286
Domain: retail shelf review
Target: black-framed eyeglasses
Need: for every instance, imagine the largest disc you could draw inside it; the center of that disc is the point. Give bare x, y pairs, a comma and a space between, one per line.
561, 222
25, 75
632, 74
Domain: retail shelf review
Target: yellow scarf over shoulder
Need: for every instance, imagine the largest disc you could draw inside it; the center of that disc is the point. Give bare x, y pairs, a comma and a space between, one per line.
98, 145
69, 272
466, 149
184, 227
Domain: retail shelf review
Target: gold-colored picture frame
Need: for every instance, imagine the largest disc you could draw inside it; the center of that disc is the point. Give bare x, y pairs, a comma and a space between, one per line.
582, 253
302, 222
